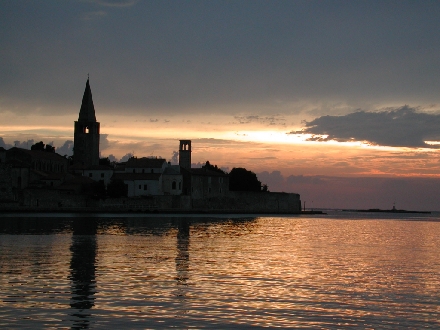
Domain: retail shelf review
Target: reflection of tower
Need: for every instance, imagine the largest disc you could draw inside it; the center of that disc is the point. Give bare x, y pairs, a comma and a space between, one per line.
86, 135
185, 154
182, 258
82, 270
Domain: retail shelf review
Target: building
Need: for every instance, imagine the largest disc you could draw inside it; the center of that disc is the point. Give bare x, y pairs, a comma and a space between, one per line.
86, 132
31, 166
150, 177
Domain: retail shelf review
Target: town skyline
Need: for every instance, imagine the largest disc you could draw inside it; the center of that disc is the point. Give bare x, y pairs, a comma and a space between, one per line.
338, 102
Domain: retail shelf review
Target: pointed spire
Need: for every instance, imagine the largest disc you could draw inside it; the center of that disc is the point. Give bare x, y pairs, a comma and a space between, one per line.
87, 111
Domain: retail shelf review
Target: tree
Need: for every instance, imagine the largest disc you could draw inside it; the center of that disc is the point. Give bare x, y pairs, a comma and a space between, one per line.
241, 179
97, 189
40, 146
117, 188
214, 168
104, 161
49, 148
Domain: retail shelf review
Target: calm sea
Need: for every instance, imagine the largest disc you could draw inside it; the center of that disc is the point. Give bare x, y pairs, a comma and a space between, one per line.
370, 271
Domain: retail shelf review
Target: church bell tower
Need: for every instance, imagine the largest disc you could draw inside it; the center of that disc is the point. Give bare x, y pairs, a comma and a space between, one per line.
86, 134
185, 154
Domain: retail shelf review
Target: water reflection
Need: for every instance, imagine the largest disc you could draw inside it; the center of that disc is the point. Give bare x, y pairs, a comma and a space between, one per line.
33, 225
182, 258
82, 270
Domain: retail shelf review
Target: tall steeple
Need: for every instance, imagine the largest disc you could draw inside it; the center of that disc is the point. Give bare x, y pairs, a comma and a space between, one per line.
87, 111
86, 135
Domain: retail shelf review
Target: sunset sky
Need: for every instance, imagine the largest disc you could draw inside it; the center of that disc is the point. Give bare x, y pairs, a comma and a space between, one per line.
338, 101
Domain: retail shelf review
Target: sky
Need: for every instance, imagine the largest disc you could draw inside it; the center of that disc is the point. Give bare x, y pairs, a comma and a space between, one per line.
335, 100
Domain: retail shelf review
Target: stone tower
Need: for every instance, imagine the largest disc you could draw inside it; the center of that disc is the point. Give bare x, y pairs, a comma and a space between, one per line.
185, 154
86, 135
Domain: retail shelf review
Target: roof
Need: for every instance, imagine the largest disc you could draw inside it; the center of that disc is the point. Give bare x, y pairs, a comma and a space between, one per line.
205, 172
79, 166
145, 162
37, 154
56, 176
87, 111
137, 176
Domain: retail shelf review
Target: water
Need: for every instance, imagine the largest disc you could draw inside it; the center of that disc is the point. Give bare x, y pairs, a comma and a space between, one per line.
330, 272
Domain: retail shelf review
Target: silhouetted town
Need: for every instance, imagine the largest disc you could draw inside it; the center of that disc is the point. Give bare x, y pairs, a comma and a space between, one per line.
42, 180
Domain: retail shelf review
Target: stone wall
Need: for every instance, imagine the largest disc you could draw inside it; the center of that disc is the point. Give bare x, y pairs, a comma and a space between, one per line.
251, 202
53, 199
236, 202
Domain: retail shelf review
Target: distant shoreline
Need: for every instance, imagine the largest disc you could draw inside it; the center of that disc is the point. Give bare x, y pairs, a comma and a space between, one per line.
387, 211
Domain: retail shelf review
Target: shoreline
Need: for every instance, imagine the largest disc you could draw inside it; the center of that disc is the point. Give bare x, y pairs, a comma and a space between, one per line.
26, 210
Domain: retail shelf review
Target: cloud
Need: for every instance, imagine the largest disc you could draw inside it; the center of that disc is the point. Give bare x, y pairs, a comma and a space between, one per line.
396, 127
114, 3
126, 157
66, 148
175, 158
93, 15
24, 144
267, 120
3, 144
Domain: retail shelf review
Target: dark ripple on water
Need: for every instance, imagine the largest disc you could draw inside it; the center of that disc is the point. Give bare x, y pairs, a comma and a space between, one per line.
219, 273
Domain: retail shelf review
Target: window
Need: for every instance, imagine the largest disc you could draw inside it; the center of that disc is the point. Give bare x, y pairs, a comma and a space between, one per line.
180, 185
220, 191
102, 175
145, 187
134, 170
143, 170
173, 185
140, 186
220, 180
90, 175
209, 180
209, 189
152, 171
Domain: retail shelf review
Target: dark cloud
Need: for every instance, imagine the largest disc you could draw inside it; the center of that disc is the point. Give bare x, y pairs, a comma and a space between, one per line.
399, 127
188, 56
